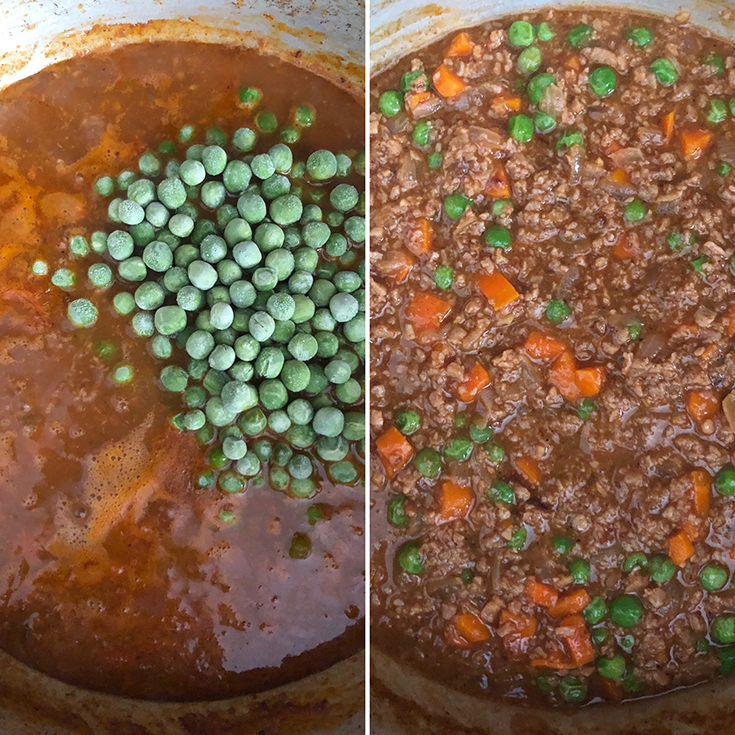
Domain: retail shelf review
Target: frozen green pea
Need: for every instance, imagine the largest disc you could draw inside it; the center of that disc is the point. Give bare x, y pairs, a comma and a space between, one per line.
100, 275
171, 193
199, 345
214, 159
82, 313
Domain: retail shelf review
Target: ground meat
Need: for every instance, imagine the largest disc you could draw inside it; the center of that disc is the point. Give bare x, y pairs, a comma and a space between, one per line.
536, 480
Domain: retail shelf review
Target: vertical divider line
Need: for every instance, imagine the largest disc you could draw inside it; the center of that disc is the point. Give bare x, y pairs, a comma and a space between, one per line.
368, 442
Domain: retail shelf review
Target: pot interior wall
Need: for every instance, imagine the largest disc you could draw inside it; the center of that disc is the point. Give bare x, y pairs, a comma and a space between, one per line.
399, 26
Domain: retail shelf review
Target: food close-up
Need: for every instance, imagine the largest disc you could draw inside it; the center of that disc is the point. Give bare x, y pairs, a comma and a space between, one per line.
552, 416
182, 350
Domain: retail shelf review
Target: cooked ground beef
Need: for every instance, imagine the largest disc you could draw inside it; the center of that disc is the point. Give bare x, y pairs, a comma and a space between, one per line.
552, 332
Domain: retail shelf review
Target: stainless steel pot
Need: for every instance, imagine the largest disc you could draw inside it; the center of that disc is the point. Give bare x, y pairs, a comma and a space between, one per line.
327, 38
403, 701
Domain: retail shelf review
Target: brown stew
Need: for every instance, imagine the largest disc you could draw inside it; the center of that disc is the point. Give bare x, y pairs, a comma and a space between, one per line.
553, 210
118, 572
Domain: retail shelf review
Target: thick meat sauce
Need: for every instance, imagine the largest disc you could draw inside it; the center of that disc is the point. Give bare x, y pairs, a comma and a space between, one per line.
553, 213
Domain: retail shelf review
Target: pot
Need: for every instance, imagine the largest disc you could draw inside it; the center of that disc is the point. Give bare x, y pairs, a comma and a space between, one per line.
405, 702
327, 39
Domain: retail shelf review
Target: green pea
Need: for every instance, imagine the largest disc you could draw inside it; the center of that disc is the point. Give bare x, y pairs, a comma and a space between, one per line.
495, 452
580, 35
603, 80
518, 539
662, 569
716, 111
612, 668
639, 36
725, 480
529, 60
635, 210
100, 275
723, 629
123, 374
411, 559
520, 128
480, 433
459, 449
563, 543
665, 72
626, 611
698, 264
573, 689
343, 473
537, 86
321, 165
397, 515
82, 313
557, 311
713, 577
390, 103
503, 492
455, 205
435, 160
717, 62
595, 610
580, 570
543, 123
497, 236
428, 463
544, 32
422, 133
521, 33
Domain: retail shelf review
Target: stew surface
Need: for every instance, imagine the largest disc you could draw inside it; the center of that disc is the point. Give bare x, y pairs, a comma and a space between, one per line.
119, 572
553, 213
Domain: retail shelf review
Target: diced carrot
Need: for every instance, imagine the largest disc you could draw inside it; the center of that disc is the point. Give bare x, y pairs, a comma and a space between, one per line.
426, 312
542, 347
541, 593
570, 603
397, 265
498, 185
503, 105
394, 450
461, 45
498, 290
516, 630
694, 143
589, 380
573, 63
613, 689
702, 405
469, 628
667, 126
413, 99
529, 468
476, 379
730, 321
693, 532
455, 501
619, 176
573, 631
563, 375
680, 548
421, 238
701, 491
446, 82
624, 248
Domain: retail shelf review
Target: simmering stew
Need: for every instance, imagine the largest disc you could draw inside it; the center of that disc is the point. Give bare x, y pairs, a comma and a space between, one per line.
552, 410
126, 566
